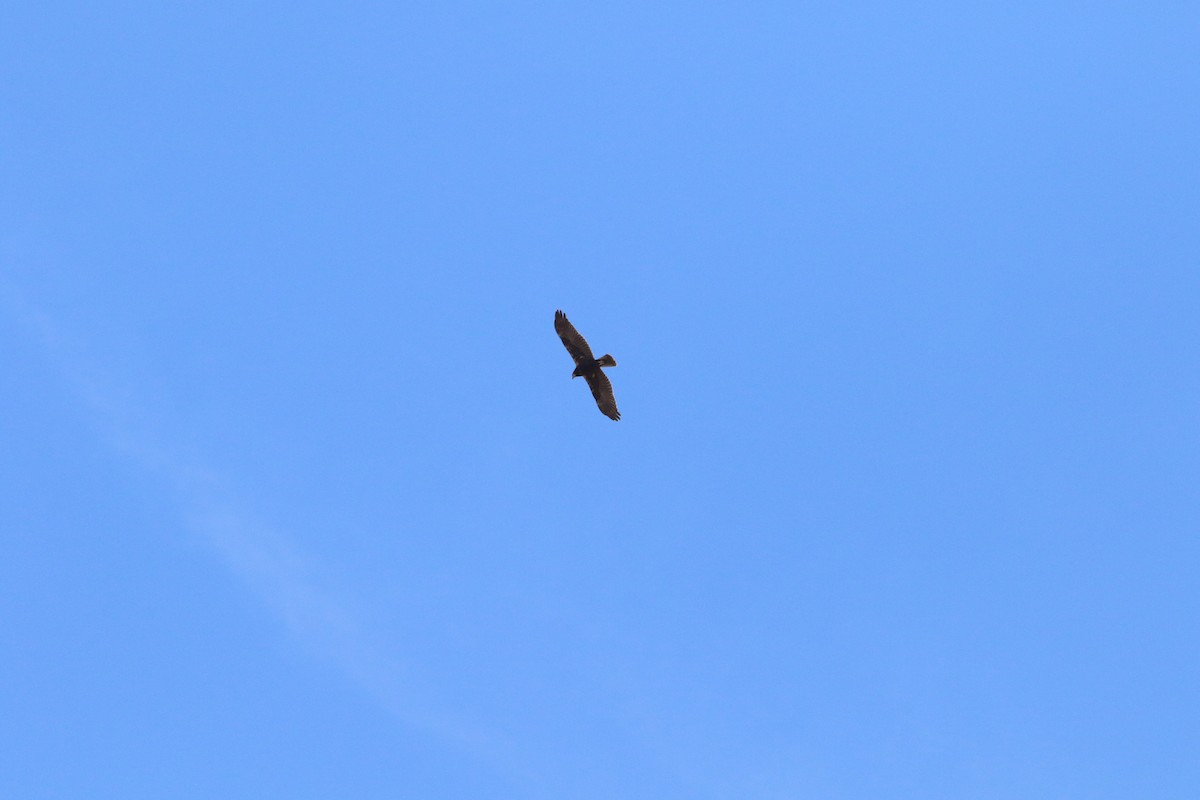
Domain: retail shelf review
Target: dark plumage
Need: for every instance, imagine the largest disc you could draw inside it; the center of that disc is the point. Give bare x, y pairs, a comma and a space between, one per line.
587, 366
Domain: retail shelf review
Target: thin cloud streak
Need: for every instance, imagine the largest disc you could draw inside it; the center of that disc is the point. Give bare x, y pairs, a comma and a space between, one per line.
261, 557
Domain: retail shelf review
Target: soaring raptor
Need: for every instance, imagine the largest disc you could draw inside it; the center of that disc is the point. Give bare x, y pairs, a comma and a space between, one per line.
587, 366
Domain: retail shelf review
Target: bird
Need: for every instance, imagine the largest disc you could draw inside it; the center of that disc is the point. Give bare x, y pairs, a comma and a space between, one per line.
587, 366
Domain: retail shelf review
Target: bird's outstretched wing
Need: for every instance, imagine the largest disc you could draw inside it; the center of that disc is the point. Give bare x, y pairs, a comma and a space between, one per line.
576, 345
602, 390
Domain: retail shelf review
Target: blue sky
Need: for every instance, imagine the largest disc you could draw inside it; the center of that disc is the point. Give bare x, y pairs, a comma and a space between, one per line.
298, 499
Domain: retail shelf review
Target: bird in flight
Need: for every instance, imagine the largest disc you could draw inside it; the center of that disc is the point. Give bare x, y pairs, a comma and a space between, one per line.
587, 366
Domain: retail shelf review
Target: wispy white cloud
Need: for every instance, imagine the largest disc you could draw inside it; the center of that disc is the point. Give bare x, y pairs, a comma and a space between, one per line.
269, 563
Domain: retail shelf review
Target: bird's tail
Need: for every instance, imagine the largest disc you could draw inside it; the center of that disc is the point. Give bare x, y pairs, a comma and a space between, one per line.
606, 361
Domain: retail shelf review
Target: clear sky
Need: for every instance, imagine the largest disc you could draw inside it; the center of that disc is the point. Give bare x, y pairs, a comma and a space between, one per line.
298, 500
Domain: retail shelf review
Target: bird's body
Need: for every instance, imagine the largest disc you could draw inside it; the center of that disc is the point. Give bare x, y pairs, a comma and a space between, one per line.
588, 366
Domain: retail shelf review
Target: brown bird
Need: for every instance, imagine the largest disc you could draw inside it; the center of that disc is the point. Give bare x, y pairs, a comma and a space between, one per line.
587, 366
